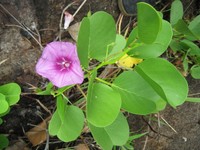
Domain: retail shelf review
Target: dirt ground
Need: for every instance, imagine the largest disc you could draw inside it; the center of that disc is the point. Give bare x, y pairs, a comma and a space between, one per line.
21, 53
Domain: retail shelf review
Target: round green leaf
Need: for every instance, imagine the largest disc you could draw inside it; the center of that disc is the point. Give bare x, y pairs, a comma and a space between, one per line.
12, 92
182, 27
69, 126
3, 103
195, 72
158, 47
194, 26
136, 94
165, 79
132, 37
149, 23
187, 44
83, 42
115, 134
3, 141
176, 12
102, 34
103, 105
116, 51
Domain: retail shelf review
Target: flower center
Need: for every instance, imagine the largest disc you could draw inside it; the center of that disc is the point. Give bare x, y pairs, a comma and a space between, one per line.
63, 64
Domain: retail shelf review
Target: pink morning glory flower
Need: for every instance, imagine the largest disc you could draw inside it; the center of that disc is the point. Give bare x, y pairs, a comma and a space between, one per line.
60, 64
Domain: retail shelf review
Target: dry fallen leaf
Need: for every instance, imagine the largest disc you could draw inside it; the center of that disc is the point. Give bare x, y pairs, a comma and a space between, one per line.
38, 134
128, 62
19, 145
73, 30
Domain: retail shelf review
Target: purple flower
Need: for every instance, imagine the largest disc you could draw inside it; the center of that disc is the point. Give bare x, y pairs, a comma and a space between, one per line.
60, 64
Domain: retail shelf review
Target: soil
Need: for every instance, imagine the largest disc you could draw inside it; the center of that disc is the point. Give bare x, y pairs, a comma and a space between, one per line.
21, 53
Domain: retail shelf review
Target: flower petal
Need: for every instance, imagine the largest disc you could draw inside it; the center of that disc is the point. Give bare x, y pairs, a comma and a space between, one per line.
68, 19
47, 65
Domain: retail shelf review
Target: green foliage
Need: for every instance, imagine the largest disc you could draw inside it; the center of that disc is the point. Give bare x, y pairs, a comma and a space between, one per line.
103, 105
12, 92
67, 121
3, 141
165, 79
9, 95
3, 103
135, 93
83, 42
149, 23
194, 26
116, 49
185, 39
156, 48
195, 72
96, 33
144, 89
115, 134
176, 12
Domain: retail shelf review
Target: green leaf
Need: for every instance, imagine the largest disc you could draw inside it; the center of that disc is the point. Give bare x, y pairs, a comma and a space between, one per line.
1, 121
61, 106
165, 79
102, 33
137, 136
103, 105
176, 12
194, 26
194, 49
3, 141
115, 134
175, 45
132, 37
68, 126
12, 92
5, 113
195, 71
116, 51
158, 47
137, 96
95, 34
47, 91
149, 23
83, 42
3, 103
182, 28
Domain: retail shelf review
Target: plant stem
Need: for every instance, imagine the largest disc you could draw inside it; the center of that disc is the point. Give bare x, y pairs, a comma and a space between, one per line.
103, 81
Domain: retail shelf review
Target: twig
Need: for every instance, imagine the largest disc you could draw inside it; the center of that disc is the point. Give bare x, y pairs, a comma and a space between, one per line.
119, 23
47, 141
44, 107
38, 101
155, 130
194, 94
164, 7
127, 27
61, 17
168, 124
188, 6
147, 137
3, 61
79, 88
22, 26
79, 8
